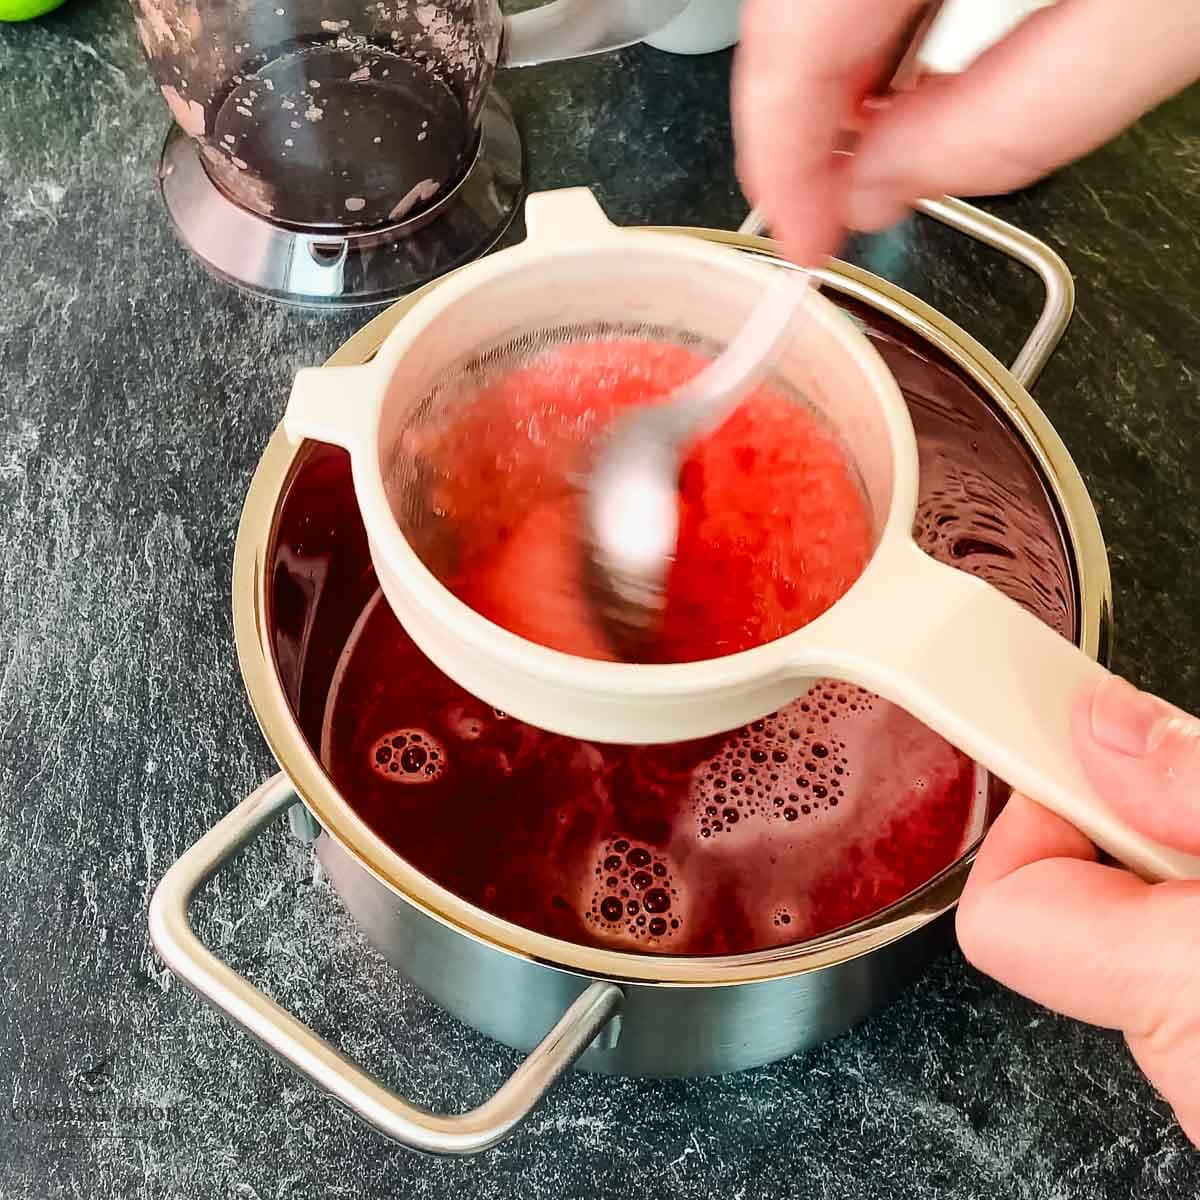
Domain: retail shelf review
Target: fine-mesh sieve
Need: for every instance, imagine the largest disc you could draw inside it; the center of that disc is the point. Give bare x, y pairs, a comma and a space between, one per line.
960, 656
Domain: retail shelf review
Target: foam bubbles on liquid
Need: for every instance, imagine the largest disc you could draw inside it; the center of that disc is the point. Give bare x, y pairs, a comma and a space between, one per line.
634, 902
410, 756
791, 766
806, 789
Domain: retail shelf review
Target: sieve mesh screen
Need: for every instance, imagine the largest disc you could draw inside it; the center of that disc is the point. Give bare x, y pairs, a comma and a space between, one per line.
485, 471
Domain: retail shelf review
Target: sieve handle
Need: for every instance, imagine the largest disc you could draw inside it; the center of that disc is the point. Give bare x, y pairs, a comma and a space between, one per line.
1022, 247
564, 29
987, 675
229, 993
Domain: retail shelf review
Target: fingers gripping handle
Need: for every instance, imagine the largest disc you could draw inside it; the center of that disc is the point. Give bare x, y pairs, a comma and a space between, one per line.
465, 1133
993, 680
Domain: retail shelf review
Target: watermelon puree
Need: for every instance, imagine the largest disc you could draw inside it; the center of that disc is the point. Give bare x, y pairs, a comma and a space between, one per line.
810, 819
773, 524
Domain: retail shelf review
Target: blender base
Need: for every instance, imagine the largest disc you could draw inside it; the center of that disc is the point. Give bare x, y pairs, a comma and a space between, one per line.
325, 268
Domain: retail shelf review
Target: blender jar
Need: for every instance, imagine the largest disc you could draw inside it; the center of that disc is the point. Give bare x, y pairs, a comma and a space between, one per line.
326, 113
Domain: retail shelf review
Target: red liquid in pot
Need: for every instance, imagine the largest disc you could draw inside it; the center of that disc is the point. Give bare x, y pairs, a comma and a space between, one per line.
806, 821
773, 524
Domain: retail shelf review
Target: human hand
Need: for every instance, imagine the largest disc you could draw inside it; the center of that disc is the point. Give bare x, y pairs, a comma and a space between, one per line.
1041, 915
1064, 82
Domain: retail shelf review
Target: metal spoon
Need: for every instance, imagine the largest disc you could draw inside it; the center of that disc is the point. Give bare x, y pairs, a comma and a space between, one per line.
632, 491
631, 495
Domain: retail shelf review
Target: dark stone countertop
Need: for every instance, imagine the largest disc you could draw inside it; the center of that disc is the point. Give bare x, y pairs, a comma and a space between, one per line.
136, 396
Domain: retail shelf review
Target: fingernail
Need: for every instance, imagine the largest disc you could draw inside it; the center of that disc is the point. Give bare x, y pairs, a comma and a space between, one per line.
1126, 720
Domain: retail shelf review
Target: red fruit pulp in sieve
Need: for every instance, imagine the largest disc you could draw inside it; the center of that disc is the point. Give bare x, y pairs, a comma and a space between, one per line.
774, 527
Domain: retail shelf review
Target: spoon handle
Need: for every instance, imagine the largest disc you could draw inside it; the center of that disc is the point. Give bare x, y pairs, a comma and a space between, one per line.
717, 390
707, 399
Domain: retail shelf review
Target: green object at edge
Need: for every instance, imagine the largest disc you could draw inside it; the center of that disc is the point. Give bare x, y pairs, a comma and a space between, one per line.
26, 10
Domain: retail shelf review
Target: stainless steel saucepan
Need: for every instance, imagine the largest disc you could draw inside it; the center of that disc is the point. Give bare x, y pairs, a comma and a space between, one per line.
296, 595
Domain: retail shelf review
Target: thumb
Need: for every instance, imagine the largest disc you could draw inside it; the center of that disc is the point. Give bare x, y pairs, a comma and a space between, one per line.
1143, 756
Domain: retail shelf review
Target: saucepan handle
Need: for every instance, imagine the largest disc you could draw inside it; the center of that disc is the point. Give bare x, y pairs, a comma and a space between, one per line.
235, 997
1059, 304
987, 675
563, 29
1057, 282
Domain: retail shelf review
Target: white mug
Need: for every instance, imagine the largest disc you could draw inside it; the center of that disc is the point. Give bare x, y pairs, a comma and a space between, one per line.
702, 28
963, 31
